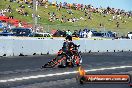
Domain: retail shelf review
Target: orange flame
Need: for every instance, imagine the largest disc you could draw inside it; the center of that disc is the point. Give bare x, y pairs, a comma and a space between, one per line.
81, 71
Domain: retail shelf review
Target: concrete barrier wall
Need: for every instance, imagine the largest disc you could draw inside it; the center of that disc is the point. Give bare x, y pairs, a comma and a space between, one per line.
30, 46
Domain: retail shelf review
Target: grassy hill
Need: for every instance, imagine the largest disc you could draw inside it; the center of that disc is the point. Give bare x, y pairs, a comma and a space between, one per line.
44, 21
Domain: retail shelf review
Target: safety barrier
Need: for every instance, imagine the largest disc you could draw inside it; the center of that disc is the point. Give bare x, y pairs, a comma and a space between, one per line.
31, 46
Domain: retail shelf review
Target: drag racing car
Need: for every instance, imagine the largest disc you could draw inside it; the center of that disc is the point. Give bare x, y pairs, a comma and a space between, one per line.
64, 60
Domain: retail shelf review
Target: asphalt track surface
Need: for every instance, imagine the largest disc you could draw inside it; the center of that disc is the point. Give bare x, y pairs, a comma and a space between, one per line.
26, 72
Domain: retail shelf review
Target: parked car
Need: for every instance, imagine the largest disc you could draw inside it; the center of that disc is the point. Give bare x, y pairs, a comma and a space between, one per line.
21, 31
41, 35
96, 34
6, 34
108, 34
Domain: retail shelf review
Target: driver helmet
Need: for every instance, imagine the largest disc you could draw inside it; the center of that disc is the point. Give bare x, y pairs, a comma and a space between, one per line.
69, 38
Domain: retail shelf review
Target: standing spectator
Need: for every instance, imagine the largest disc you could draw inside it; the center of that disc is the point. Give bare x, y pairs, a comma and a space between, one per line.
11, 0
117, 24
26, 14
90, 34
75, 34
89, 16
39, 17
114, 17
68, 32
9, 26
84, 34
5, 30
9, 9
57, 7
11, 16
80, 33
64, 33
20, 24
101, 25
60, 5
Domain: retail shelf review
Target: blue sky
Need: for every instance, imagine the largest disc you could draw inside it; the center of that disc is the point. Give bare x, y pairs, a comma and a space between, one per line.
119, 4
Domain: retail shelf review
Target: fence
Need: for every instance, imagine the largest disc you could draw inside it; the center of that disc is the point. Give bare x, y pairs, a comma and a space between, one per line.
32, 46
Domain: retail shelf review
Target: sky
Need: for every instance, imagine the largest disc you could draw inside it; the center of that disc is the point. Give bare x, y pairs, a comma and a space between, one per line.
119, 4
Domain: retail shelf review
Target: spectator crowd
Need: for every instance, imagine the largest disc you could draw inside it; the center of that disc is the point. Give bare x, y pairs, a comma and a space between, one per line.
117, 14
85, 33
88, 10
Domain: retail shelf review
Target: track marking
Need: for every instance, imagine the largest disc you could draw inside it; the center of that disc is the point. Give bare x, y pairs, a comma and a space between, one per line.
59, 74
19, 71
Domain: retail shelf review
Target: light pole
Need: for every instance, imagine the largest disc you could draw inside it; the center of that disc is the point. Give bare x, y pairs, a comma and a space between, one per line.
35, 3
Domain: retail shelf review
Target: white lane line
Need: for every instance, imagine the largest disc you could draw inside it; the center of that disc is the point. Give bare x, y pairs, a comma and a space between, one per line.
59, 74
19, 71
